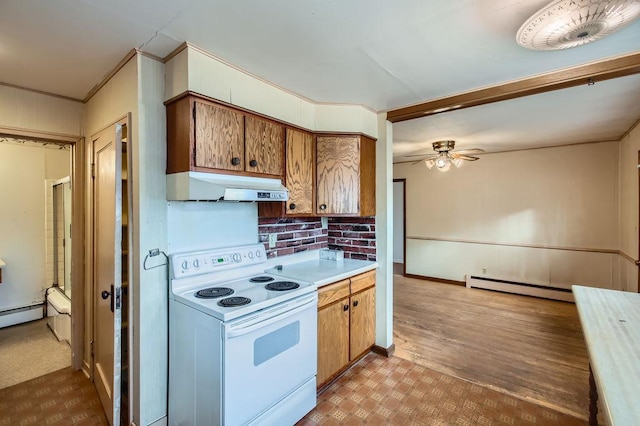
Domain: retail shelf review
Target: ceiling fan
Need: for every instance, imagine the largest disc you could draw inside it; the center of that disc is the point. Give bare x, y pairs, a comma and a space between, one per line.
445, 156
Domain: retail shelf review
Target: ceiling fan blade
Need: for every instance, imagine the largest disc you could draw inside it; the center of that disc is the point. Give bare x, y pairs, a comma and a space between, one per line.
464, 157
469, 151
422, 155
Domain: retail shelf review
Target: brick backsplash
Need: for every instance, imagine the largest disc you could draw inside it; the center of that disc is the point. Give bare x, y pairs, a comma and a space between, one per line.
293, 235
355, 235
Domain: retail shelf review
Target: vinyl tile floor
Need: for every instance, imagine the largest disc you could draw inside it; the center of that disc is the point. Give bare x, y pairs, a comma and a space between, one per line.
394, 391
64, 397
376, 391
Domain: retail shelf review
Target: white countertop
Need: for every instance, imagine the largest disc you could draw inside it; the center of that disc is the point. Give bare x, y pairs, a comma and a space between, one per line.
611, 325
322, 272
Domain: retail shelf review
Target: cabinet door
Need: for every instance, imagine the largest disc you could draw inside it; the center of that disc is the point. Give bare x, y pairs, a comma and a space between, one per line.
300, 157
338, 174
219, 137
363, 322
333, 339
264, 146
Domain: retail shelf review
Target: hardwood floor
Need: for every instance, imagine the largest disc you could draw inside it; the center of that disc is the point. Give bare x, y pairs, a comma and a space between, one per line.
527, 347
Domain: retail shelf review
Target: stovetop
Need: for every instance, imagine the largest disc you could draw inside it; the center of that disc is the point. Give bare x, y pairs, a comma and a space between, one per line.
227, 274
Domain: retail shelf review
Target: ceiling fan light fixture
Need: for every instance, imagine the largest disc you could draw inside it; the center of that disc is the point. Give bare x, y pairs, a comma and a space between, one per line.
429, 163
442, 161
458, 162
563, 24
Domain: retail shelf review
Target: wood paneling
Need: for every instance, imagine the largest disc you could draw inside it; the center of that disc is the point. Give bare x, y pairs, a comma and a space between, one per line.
524, 346
562, 79
338, 174
333, 340
333, 292
300, 164
264, 146
363, 322
219, 137
367, 176
180, 150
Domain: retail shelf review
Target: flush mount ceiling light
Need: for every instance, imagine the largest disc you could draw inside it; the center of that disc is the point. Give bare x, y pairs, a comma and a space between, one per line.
445, 156
569, 23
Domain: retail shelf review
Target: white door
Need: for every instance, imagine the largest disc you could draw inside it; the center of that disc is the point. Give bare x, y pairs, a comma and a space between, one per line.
107, 225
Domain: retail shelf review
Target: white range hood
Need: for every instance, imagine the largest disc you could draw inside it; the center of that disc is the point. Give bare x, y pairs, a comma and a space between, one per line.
198, 186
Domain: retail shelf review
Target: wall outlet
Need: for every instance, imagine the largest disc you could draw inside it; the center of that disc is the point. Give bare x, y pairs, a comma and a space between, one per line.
324, 221
272, 240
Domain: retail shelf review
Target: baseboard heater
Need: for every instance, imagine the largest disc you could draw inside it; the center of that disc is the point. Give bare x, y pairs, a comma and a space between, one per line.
506, 286
15, 316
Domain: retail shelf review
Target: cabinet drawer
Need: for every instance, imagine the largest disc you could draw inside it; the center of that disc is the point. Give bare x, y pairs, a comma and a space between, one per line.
363, 281
332, 293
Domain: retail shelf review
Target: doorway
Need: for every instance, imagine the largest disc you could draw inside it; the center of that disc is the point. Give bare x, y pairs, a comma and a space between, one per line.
29, 347
399, 226
109, 269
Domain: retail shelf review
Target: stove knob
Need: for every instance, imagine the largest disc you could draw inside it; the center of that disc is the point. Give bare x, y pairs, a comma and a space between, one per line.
258, 254
196, 263
250, 255
185, 265
236, 257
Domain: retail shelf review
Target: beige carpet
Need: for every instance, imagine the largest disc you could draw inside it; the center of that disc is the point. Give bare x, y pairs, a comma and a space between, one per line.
28, 351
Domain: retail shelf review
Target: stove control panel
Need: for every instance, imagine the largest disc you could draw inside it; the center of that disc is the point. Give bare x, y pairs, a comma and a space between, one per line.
207, 261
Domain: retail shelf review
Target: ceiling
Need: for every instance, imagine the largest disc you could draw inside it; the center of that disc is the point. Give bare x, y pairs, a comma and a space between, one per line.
381, 54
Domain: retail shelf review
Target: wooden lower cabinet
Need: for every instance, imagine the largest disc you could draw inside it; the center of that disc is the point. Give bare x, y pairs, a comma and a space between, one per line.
363, 322
346, 324
333, 339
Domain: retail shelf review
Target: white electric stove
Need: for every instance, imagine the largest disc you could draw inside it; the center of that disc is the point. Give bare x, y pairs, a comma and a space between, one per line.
243, 343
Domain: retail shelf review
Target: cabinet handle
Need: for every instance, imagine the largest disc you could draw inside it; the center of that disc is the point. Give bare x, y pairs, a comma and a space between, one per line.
253, 163
323, 206
345, 308
292, 206
235, 161
355, 303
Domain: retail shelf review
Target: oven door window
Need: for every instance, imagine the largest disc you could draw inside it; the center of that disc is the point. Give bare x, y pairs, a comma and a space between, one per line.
266, 361
276, 342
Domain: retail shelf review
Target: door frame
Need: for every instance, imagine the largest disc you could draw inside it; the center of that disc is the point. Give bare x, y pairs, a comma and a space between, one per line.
404, 224
78, 182
89, 331
637, 261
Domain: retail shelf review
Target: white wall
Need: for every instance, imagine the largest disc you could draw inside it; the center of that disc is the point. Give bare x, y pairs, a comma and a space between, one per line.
195, 70
151, 304
629, 201
23, 171
488, 214
138, 89
24, 109
398, 222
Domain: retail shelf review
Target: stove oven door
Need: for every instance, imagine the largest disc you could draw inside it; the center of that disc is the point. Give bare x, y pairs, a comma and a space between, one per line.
268, 357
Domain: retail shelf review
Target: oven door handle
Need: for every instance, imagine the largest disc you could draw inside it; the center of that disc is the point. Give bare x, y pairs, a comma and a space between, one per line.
236, 332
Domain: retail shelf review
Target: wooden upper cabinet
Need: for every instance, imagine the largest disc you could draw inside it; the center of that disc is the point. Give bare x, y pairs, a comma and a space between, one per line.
345, 168
219, 138
264, 146
205, 136
300, 166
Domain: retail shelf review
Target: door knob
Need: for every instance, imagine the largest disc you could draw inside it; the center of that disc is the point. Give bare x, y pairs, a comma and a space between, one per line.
355, 303
345, 308
323, 206
292, 206
235, 161
106, 294
253, 163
